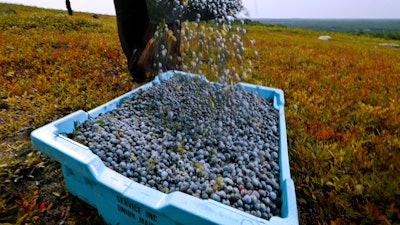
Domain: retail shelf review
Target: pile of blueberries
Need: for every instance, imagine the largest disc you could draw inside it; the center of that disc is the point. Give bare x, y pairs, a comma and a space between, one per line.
210, 141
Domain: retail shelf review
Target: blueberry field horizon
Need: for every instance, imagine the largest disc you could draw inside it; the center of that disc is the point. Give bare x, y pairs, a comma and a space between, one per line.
341, 108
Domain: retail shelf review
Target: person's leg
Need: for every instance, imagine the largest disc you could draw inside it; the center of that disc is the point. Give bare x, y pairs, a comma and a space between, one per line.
135, 33
167, 47
174, 47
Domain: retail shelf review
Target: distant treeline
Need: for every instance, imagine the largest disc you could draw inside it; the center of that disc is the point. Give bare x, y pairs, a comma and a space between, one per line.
382, 28
384, 35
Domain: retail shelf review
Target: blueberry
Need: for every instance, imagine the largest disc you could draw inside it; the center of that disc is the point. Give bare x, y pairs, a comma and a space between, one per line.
222, 194
164, 175
272, 195
194, 187
165, 184
215, 197
247, 199
127, 154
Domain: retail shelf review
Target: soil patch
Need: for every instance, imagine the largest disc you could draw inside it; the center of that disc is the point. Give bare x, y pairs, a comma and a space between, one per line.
33, 190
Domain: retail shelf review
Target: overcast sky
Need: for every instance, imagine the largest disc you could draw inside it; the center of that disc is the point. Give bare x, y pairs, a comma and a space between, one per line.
261, 8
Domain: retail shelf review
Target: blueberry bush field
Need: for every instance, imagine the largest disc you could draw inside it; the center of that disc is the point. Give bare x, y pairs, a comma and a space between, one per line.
342, 112
50, 65
343, 122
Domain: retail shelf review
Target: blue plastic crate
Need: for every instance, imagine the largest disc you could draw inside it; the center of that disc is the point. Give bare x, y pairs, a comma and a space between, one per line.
120, 200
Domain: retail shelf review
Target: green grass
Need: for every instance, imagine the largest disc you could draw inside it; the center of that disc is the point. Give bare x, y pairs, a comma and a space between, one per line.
342, 109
